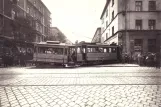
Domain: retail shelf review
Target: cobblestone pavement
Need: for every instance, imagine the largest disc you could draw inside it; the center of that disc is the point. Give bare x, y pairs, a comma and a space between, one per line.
80, 87
81, 96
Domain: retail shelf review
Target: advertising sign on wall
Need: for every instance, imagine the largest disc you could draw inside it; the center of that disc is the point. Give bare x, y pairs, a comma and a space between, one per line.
137, 48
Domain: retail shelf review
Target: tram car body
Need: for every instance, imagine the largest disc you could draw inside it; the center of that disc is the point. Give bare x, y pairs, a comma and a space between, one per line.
50, 53
92, 53
55, 53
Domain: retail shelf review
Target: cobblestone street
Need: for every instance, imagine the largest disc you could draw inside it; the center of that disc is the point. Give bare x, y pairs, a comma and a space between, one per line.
99, 86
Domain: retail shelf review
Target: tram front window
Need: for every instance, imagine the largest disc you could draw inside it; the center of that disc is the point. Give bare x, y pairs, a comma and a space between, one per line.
41, 50
58, 51
49, 51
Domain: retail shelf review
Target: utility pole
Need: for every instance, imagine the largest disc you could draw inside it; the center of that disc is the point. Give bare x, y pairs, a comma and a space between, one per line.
125, 26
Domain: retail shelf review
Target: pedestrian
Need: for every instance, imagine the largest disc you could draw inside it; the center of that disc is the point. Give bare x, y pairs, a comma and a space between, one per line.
22, 59
157, 60
139, 58
144, 60
123, 58
73, 56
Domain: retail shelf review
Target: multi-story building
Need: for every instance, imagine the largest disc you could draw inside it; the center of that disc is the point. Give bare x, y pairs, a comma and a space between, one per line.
5, 18
97, 36
133, 24
33, 10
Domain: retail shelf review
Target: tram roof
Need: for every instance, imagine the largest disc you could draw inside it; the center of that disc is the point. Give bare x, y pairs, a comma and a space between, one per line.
51, 44
96, 44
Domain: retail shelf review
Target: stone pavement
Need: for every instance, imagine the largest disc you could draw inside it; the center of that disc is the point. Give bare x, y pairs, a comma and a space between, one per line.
81, 96
80, 87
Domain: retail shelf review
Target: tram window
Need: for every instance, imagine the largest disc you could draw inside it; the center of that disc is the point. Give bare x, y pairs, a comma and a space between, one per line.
58, 51
100, 49
72, 50
96, 49
113, 50
49, 51
65, 51
84, 50
78, 50
41, 50
110, 50
105, 50
93, 50
89, 50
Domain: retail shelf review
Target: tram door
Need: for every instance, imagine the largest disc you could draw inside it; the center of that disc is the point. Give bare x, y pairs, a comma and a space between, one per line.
84, 52
72, 54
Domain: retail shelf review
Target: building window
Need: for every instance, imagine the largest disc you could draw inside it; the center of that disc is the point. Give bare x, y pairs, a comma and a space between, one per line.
17, 14
40, 9
113, 30
138, 24
138, 43
106, 24
112, 15
34, 3
138, 5
106, 36
106, 12
102, 20
152, 5
152, 24
13, 14
103, 29
112, 2
151, 45
28, 10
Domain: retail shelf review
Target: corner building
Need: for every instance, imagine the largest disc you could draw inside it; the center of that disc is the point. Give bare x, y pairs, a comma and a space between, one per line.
135, 25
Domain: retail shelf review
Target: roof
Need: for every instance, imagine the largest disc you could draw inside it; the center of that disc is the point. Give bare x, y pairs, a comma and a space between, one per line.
45, 6
103, 12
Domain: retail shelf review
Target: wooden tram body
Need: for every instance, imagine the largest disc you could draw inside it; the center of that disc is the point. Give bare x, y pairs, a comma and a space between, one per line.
85, 53
49, 53
97, 53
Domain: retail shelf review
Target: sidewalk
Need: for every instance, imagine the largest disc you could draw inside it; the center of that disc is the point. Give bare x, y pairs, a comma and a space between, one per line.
119, 65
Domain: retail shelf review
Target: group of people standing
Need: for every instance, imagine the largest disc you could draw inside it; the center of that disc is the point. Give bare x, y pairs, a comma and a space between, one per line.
146, 59
18, 59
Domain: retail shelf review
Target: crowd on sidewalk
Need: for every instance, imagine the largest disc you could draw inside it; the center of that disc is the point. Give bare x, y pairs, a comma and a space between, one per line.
20, 59
146, 59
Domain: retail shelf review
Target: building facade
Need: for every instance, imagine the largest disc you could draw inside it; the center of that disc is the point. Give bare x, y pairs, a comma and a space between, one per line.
97, 36
33, 10
133, 24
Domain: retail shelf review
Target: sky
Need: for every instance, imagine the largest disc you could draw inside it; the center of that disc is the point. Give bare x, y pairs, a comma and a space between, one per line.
77, 19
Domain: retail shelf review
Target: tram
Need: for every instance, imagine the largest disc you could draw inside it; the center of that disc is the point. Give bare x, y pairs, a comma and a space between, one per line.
56, 53
93, 53
50, 53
